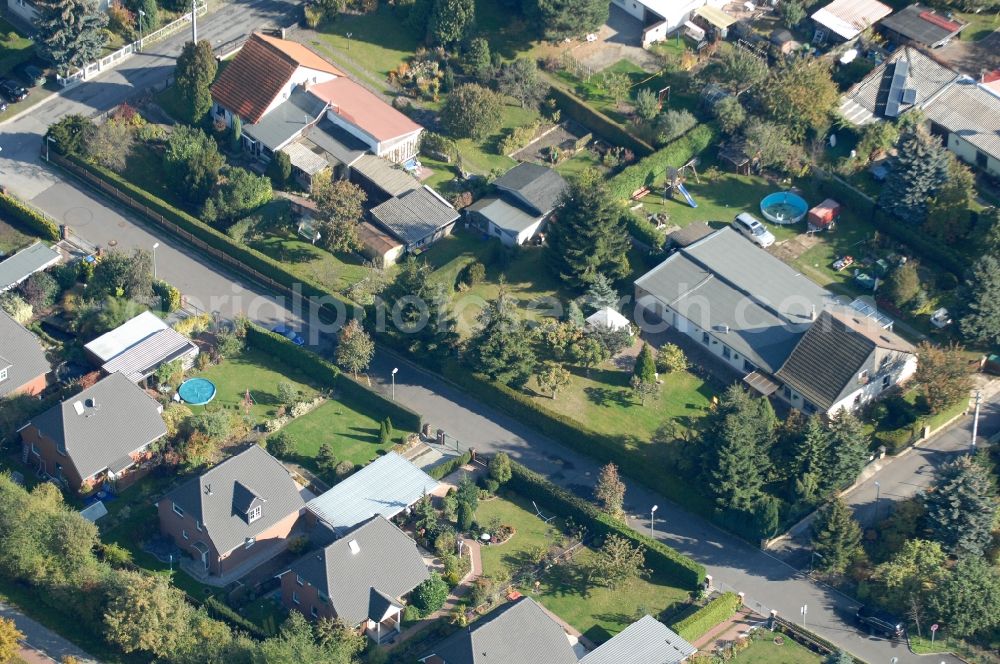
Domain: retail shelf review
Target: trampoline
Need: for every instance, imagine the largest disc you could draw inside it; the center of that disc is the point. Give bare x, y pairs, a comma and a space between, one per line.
783, 207
197, 391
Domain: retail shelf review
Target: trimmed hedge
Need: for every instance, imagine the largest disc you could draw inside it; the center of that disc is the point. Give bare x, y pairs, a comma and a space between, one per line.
324, 373
448, 467
698, 624
685, 572
250, 258
22, 213
216, 609
643, 231
597, 122
648, 170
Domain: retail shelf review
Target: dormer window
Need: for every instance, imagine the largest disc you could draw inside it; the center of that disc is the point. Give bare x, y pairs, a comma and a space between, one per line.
254, 514
177, 510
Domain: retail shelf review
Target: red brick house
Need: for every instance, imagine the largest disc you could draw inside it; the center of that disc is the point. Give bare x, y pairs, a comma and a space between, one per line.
239, 511
361, 578
23, 365
97, 436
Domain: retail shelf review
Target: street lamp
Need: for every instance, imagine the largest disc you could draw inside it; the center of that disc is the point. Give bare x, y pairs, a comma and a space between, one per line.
141, 14
394, 371
975, 419
812, 560
349, 40
652, 521
878, 494
155, 245
48, 140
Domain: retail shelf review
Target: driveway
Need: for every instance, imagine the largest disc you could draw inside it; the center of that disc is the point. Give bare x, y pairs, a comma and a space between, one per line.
972, 58
618, 39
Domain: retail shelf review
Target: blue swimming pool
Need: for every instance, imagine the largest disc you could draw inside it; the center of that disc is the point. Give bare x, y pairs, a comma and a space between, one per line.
197, 391
783, 207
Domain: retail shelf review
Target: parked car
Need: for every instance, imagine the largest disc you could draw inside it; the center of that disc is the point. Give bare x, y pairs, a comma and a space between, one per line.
883, 622
289, 334
756, 232
12, 91
33, 76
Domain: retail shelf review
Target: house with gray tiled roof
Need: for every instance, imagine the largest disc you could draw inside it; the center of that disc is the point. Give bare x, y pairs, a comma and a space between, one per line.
416, 218
23, 365
361, 578
239, 512
526, 196
646, 641
100, 435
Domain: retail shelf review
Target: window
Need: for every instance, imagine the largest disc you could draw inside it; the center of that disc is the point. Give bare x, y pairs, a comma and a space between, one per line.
704, 338
254, 514
808, 407
295, 597
299, 580
726, 352
982, 161
250, 542
886, 381
315, 612
198, 525
184, 534
748, 366
178, 510
3, 374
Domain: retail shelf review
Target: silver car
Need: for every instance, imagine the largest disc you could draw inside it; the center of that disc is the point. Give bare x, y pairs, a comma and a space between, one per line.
749, 226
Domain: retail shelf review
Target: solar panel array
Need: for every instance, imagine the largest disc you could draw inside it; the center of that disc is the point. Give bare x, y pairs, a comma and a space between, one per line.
898, 92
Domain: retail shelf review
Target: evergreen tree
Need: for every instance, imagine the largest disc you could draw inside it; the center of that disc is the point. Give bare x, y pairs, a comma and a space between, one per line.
589, 238
385, 432
450, 21
962, 508
477, 62
560, 19
981, 322
70, 32
420, 313
601, 293
195, 71
150, 17
919, 170
736, 480
810, 460
968, 600
836, 537
948, 215
610, 492
645, 365
501, 348
848, 451
903, 284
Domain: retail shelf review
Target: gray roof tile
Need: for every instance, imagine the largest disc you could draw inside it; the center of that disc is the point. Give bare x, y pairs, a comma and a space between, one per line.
287, 119
646, 641
21, 354
538, 186
15, 269
414, 215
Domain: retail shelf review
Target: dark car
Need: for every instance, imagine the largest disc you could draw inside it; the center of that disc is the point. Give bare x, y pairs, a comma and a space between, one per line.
33, 76
879, 621
12, 91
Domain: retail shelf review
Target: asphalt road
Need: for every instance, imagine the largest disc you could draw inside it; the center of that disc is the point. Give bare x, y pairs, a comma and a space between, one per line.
41, 638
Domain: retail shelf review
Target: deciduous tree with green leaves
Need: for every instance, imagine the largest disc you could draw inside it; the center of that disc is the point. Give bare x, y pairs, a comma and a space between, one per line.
618, 563
519, 79
560, 19
552, 377
670, 358
450, 21
340, 204
942, 375
800, 96
499, 468
968, 600
911, 575
192, 163
472, 111
610, 492
836, 537
355, 348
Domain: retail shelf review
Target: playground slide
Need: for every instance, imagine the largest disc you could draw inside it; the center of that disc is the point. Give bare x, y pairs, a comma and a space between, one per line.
687, 196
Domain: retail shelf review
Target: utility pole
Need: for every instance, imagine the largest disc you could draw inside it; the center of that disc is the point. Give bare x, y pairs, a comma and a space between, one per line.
975, 419
194, 21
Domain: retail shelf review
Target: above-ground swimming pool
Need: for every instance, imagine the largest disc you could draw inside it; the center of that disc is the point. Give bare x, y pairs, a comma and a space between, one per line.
197, 391
783, 207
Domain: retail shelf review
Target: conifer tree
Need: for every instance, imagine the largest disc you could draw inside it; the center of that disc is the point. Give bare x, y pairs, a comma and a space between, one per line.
848, 451
962, 508
981, 322
836, 537
418, 313
736, 480
195, 71
810, 460
919, 170
601, 293
645, 365
501, 347
70, 32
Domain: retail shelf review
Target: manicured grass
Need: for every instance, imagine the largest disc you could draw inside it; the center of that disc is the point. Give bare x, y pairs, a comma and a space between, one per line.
265, 612
482, 156
335, 272
763, 650
12, 239
13, 52
980, 25
597, 611
580, 161
352, 435
379, 41
258, 372
718, 200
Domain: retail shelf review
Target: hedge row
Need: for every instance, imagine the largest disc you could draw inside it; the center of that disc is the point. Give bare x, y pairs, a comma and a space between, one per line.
648, 170
645, 232
597, 122
448, 467
686, 573
220, 611
717, 611
326, 374
29, 217
251, 258
923, 246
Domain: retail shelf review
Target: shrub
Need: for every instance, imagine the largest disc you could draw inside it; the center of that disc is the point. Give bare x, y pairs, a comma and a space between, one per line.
281, 445
170, 297
66, 275
21, 213
448, 467
40, 290
474, 273
715, 612
491, 485
518, 137
343, 469
430, 595
465, 514
611, 131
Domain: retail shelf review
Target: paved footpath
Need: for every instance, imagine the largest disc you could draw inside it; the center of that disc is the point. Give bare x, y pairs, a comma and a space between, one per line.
40, 638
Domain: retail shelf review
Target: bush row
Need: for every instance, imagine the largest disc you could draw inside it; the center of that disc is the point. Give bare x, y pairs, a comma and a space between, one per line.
923, 246
22, 213
697, 624
643, 231
648, 170
244, 255
326, 374
220, 611
448, 467
600, 124
683, 571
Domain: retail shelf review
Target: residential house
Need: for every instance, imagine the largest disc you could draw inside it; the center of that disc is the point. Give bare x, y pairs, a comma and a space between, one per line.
967, 116
386, 486
99, 435
646, 641
139, 346
921, 25
755, 313
527, 195
14, 270
417, 218
23, 365
662, 18
361, 578
235, 514
844, 20
521, 631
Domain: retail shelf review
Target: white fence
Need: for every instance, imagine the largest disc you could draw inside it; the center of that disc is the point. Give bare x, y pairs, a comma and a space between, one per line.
107, 62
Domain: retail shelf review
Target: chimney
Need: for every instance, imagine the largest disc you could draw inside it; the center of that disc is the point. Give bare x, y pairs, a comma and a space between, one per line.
812, 313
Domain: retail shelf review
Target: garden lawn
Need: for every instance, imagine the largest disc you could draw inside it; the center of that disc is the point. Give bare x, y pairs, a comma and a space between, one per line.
258, 372
12, 239
763, 650
980, 25
352, 435
482, 157
13, 52
334, 272
598, 612
379, 42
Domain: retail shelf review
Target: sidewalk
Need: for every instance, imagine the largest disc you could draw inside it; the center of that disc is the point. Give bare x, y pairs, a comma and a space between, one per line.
44, 642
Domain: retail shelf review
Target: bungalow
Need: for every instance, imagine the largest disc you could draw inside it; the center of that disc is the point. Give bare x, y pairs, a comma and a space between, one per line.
23, 365
521, 631
921, 25
646, 641
843, 20
14, 270
361, 579
527, 195
139, 346
773, 325
967, 116
98, 435
417, 218
236, 514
